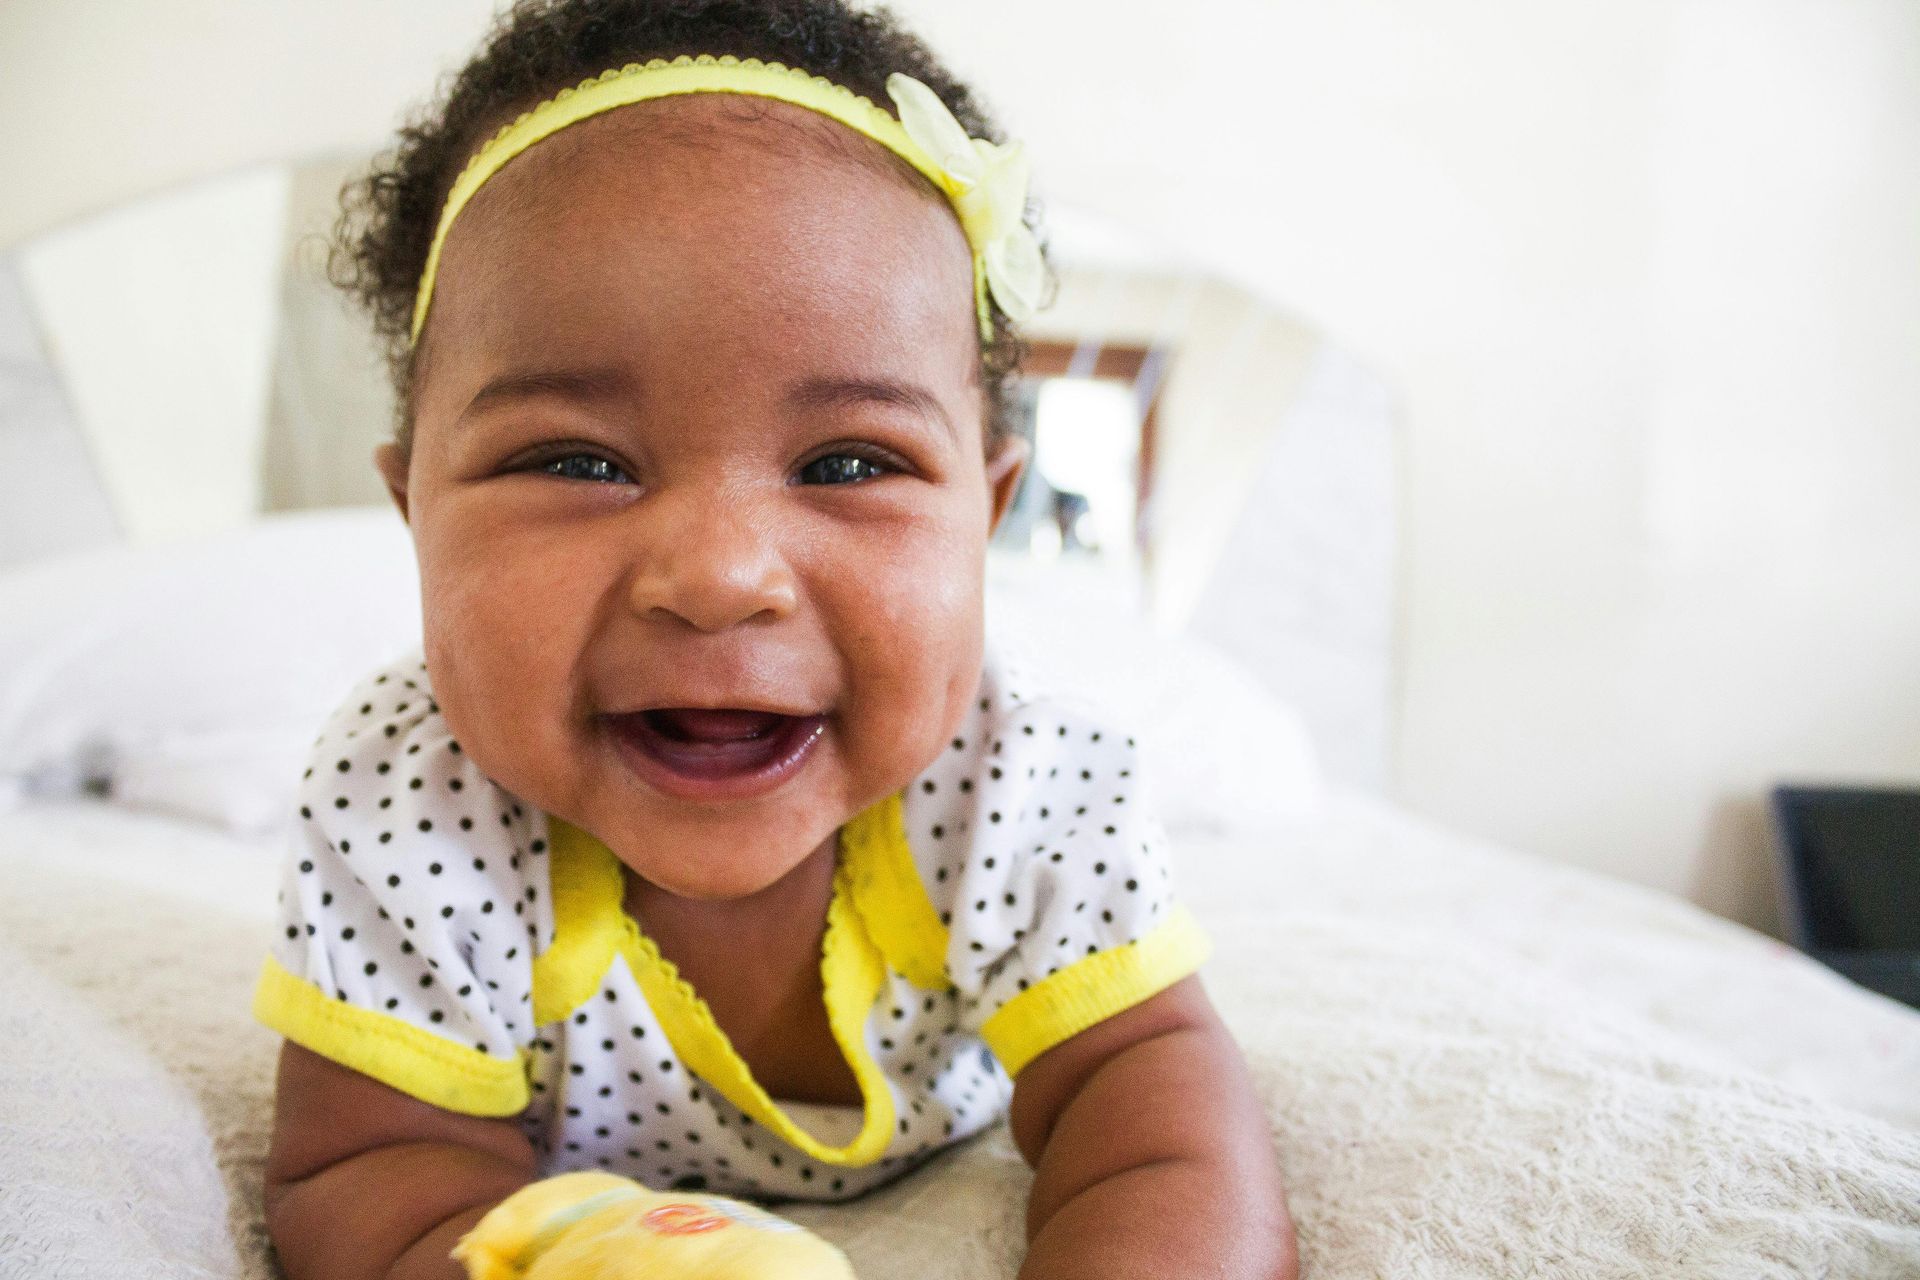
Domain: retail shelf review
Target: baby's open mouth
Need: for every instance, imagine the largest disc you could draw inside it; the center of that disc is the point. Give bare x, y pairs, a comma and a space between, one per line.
700, 724
703, 753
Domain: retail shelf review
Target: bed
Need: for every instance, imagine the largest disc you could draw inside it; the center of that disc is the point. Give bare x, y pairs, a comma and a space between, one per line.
1474, 1062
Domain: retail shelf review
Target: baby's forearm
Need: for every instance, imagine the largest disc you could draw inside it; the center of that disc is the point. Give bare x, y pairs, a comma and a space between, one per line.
390, 1213
431, 1256
1175, 1218
1155, 1170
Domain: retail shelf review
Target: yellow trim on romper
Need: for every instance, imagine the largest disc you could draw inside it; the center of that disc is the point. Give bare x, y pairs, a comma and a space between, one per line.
589, 905
892, 898
391, 1050
1093, 989
586, 888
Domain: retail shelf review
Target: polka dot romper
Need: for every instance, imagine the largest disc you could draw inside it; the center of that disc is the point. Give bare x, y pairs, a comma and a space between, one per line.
442, 936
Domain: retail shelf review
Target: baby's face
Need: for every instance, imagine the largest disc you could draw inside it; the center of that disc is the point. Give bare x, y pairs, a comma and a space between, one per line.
676, 324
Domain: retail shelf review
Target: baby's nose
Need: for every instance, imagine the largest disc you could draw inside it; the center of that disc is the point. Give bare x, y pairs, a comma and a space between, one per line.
714, 566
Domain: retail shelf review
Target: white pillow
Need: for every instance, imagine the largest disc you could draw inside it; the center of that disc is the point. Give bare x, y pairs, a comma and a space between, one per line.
1220, 751
192, 676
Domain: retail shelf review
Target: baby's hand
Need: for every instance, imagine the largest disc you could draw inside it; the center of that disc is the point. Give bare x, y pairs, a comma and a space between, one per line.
598, 1226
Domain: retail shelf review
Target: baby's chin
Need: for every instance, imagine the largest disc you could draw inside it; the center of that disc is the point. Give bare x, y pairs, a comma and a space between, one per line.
715, 861
714, 851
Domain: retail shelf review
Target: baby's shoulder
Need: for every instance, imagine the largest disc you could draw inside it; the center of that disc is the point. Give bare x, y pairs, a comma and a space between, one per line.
1049, 878
390, 797
1031, 775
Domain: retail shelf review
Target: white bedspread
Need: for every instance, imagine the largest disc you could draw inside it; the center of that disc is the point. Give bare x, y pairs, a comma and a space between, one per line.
1474, 1064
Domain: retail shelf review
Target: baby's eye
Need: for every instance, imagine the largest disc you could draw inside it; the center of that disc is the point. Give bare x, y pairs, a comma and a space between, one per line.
585, 466
843, 468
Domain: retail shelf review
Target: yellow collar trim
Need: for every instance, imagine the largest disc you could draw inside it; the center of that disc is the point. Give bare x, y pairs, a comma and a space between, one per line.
891, 896
591, 925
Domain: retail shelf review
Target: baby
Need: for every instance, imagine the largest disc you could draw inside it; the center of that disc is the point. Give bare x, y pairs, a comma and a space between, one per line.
710, 842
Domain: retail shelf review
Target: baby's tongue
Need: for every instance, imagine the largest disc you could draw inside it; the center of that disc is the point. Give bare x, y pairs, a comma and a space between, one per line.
723, 725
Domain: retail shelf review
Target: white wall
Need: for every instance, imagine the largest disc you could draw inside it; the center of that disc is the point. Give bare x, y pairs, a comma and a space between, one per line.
1645, 271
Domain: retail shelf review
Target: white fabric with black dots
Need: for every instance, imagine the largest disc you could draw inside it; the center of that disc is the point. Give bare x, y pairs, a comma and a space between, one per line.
1031, 837
414, 887
419, 889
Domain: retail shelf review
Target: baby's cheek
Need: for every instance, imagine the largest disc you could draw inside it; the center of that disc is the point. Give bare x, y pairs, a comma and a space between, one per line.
916, 659
500, 657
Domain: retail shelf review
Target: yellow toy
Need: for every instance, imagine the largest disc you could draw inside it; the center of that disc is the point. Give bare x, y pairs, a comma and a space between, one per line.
600, 1226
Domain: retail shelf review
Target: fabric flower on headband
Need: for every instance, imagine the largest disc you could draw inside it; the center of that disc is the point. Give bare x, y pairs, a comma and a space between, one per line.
987, 184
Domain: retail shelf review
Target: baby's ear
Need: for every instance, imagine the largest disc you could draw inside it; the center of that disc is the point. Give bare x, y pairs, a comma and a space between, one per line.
391, 463
1004, 467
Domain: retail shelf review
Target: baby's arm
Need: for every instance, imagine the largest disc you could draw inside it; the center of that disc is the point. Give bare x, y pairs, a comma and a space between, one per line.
364, 1182
1151, 1153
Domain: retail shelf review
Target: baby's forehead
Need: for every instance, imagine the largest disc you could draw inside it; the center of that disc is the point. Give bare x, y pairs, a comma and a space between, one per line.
708, 229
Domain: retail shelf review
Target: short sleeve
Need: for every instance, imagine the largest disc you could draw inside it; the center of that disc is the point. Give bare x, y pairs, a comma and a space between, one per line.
413, 900
1058, 896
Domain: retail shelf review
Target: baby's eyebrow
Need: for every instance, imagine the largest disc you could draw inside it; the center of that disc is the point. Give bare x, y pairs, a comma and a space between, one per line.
827, 392
568, 384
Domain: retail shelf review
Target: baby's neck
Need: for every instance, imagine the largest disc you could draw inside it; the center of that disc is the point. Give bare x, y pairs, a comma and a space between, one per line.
755, 961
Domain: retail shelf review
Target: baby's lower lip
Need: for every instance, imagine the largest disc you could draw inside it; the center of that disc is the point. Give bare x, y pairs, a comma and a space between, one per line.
712, 771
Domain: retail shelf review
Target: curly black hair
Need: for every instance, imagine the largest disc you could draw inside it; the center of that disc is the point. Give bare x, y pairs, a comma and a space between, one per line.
538, 47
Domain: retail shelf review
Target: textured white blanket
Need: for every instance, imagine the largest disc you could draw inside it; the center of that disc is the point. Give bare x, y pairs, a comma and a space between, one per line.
1474, 1065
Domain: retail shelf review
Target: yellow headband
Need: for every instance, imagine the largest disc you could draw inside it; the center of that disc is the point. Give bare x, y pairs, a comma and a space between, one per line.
986, 183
